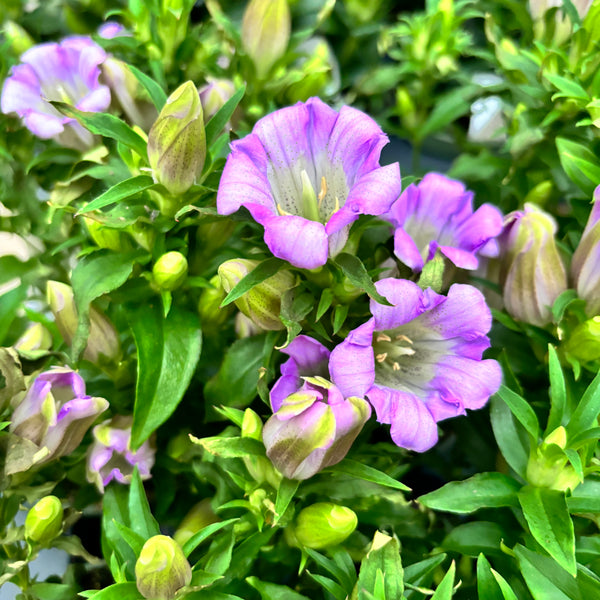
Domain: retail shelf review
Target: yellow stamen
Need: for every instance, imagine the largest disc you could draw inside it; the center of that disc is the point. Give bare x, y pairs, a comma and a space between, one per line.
382, 337
281, 211
323, 191
403, 338
381, 357
396, 366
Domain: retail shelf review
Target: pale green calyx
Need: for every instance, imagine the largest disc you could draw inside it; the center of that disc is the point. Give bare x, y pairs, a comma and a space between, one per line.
161, 569
44, 520
324, 524
170, 270
177, 140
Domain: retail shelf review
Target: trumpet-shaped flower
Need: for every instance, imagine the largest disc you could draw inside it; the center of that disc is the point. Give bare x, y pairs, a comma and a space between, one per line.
110, 456
437, 214
305, 173
313, 425
419, 360
67, 72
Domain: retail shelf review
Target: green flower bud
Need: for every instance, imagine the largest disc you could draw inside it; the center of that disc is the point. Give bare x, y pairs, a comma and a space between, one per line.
199, 516
105, 237
324, 524
262, 303
177, 140
44, 521
36, 337
103, 340
209, 305
11, 375
266, 29
583, 344
161, 569
245, 327
252, 425
170, 270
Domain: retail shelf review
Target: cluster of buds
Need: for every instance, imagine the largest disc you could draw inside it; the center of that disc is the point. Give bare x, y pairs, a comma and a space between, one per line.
51, 419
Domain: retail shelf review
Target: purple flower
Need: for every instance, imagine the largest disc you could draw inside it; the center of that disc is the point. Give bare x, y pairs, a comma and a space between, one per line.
305, 173
111, 29
437, 214
584, 266
55, 413
313, 425
419, 361
110, 456
68, 72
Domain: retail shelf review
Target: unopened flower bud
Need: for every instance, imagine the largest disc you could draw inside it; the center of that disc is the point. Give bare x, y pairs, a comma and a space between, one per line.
259, 467
324, 524
214, 94
266, 29
44, 521
532, 272
262, 303
583, 344
36, 337
209, 305
103, 340
245, 327
170, 270
106, 237
252, 425
177, 140
584, 266
11, 375
199, 516
161, 569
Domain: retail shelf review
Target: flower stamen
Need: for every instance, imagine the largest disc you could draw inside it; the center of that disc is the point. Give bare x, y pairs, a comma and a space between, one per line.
381, 357
403, 338
383, 337
281, 211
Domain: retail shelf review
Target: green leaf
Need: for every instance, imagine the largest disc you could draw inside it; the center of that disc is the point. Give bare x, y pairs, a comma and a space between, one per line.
107, 125
140, 516
521, 409
586, 414
339, 316
263, 271
510, 436
342, 568
115, 508
585, 498
367, 473
95, 275
473, 538
134, 540
285, 494
204, 534
230, 447
484, 490
507, 591
118, 591
548, 518
445, 590
383, 557
356, 272
567, 88
235, 382
324, 303
447, 109
580, 164
335, 589
272, 591
487, 586
156, 93
421, 573
220, 118
432, 275
558, 391
122, 190
168, 350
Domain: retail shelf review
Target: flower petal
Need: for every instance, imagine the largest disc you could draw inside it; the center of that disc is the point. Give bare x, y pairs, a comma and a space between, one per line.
301, 242
406, 250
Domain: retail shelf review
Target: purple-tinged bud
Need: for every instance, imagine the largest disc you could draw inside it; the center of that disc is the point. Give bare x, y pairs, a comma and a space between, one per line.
199, 516
44, 520
54, 415
177, 140
266, 29
262, 303
584, 265
103, 340
324, 524
532, 272
313, 428
170, 270
110, 456
214, 94
161, 569
11, 375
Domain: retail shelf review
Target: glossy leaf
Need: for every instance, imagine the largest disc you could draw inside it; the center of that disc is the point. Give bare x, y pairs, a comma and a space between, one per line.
120, 191
367, 473
356, 272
